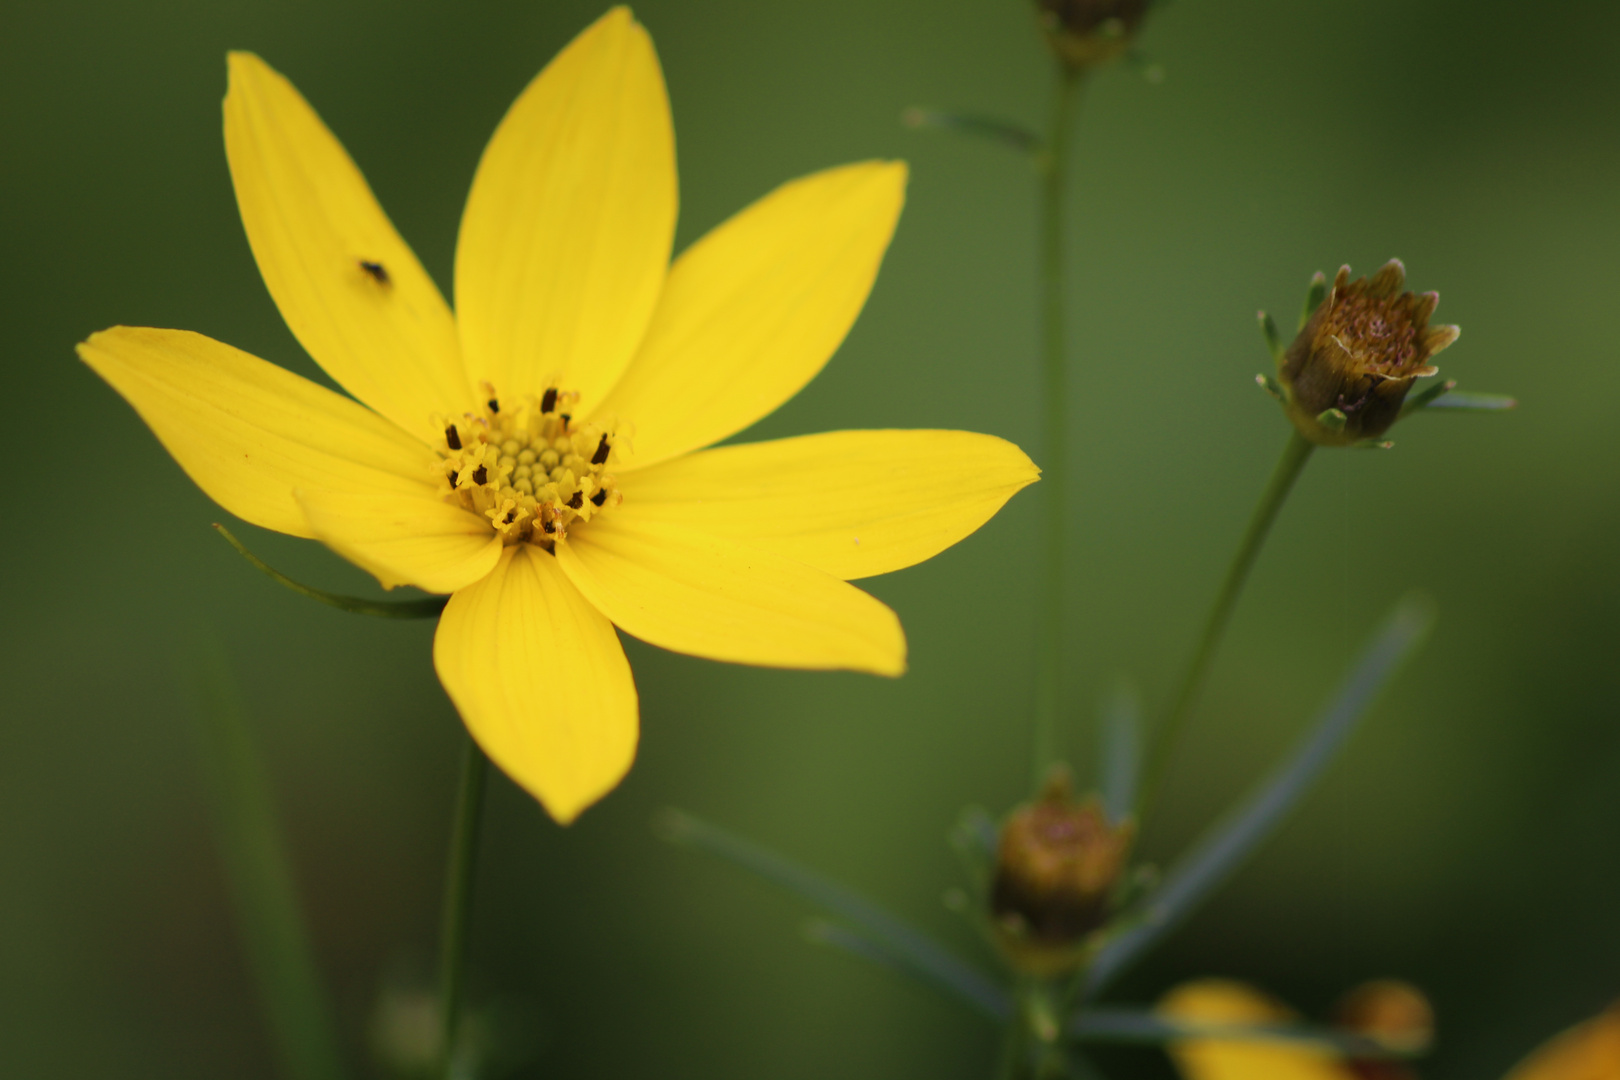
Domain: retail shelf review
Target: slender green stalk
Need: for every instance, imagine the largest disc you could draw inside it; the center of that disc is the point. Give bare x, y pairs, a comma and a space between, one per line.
1289, 466
1050, 649
458, 887
264, 900
1034, 1046
428, 608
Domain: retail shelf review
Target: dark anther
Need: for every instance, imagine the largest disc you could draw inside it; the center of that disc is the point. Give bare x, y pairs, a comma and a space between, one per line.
375, 270
452, 437
599, 498
510, 514
548, 400
548, 525
480, 475
453, 477
494, 406
577, 501
601, 454
564, 417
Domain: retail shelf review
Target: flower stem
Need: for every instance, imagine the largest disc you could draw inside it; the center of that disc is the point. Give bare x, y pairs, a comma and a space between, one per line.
1034, 1047
1289, 466
458, 886
1050, 644
264, 900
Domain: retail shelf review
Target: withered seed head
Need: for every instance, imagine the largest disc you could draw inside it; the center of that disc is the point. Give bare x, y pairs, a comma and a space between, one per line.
1085, 33
1358, 355
1390, 1012
1057, 863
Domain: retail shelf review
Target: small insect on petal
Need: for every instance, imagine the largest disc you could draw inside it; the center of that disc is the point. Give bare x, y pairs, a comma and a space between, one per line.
376, 271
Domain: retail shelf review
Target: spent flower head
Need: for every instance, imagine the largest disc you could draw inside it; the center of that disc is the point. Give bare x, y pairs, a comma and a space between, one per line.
1354, 361
539, 452
1058, 861
1086, 33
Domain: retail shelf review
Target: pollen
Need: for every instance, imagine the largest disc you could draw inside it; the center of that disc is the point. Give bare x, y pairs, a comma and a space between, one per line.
528, 467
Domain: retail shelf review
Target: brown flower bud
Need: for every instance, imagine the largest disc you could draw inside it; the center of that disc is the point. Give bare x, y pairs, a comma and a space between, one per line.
1056, 867
1085, 33
1392, 1013
1350, 368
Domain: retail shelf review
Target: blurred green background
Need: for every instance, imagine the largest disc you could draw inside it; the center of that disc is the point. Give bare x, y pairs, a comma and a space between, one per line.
1467, 840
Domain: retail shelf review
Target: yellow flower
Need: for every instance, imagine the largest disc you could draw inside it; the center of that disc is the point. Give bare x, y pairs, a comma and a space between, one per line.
1387, 1011
538, 454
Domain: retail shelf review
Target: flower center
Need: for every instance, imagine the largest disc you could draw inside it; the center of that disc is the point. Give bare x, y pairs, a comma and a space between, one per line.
530, 469
1378, 332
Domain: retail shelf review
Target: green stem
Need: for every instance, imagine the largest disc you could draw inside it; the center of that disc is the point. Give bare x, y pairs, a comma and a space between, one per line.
1289, 466
264, 900
1050, 645
458, 886
1034, 1047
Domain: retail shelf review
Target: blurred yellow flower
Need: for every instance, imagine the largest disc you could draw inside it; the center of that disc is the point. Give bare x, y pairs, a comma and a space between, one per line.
538, 453
1587, 1051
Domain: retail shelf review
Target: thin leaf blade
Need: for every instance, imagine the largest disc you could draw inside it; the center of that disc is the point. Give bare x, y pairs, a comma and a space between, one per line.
426, 608
905, 945
258, 873
1147, 1028
1234, 838
1464, 401
1121, 751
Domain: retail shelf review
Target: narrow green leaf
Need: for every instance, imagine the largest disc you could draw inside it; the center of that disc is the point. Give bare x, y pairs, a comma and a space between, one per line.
426, 608
908, 945
1463, 401
1121, 751
260, 880
1427, 396
1143, 1027
1332, 419
1003, 133
1248, 825
989, 1000
1268, 330
974, 838
1313, 298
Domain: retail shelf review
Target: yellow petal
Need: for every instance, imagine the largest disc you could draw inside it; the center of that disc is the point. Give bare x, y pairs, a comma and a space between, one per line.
1588, 1051
566, 237
1218, 1002
709, 596
539, 676
851, 503
250, 433
754, 309
385, 334
404, 538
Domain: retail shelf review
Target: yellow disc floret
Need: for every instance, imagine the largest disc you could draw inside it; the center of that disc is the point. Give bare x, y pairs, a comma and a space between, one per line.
530, 469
